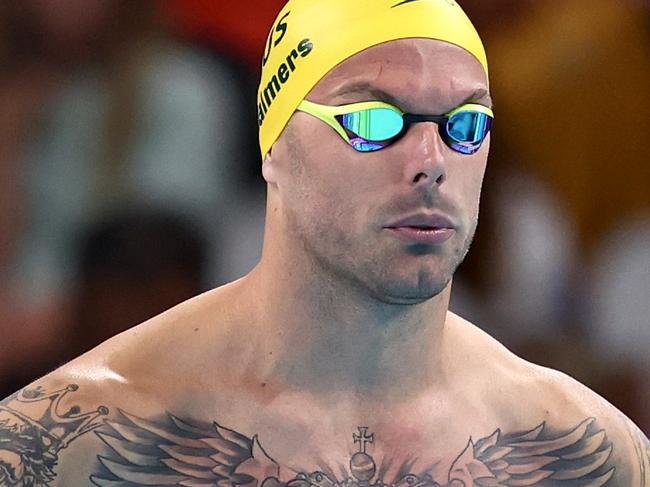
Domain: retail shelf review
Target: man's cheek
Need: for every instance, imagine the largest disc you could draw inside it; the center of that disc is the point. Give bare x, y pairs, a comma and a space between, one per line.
472, 181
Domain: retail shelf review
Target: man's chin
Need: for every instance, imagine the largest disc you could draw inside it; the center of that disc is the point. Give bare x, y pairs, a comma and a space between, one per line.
411, 293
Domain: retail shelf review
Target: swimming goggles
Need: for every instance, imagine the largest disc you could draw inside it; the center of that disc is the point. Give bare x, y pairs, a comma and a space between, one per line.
373, 125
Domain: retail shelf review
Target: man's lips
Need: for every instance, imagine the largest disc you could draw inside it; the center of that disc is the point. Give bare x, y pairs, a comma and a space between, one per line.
422, 228
422, 220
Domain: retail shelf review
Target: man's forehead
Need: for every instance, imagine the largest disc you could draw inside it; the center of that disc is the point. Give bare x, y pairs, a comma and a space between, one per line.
400, 69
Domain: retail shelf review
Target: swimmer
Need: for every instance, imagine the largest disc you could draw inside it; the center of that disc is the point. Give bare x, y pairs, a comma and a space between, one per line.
335, 361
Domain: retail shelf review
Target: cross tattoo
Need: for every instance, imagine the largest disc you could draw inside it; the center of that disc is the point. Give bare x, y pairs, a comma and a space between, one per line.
363, 438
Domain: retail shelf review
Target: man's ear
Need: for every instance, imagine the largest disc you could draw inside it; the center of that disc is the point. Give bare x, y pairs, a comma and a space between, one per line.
269, 171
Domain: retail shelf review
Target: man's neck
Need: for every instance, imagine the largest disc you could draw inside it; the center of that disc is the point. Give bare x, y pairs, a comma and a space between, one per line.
327, 335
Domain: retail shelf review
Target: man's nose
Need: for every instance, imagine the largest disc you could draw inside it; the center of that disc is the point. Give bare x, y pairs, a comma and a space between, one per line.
425, 165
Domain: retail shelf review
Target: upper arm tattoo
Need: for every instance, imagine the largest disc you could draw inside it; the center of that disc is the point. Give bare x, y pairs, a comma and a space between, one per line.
34, 428
645, 472
642, 449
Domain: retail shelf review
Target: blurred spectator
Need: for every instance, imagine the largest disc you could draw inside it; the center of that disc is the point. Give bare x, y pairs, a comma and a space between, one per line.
228, 27
132, 266
101, 111
571, 81
25, 82
618, 308
139, 119
518, 279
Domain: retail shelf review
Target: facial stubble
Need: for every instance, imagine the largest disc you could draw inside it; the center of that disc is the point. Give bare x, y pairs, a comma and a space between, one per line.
365, 265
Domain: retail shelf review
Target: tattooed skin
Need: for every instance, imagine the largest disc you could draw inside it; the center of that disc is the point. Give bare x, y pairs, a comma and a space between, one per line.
642, 448
172, 451
646, 471
176, 452
34, 428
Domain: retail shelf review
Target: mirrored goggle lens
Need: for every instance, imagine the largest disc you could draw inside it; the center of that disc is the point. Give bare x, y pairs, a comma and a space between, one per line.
467, 130
367, 127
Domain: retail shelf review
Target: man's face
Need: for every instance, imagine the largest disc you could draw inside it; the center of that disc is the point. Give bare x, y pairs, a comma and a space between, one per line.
344, 207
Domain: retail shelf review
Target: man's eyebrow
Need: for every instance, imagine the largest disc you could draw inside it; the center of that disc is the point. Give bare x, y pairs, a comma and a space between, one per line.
480, 94
367, 89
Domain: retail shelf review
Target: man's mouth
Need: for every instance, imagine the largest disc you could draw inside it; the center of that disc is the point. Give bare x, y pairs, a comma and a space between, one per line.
432, 229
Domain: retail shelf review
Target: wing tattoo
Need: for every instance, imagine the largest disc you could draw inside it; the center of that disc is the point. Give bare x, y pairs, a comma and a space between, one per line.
534, 458
177, 453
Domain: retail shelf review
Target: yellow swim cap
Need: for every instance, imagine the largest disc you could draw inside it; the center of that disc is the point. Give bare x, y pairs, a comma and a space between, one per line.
310, 37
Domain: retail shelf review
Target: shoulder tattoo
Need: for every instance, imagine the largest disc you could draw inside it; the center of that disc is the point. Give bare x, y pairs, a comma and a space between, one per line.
642, 450
34, 428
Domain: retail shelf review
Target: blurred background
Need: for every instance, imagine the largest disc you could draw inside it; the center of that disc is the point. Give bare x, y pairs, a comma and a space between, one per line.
130, 177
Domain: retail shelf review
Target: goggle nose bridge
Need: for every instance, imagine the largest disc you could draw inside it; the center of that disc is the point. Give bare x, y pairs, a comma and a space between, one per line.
410, 119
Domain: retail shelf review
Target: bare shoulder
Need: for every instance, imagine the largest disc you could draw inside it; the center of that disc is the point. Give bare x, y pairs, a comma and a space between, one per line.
565, 419
53, 432
168, 347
